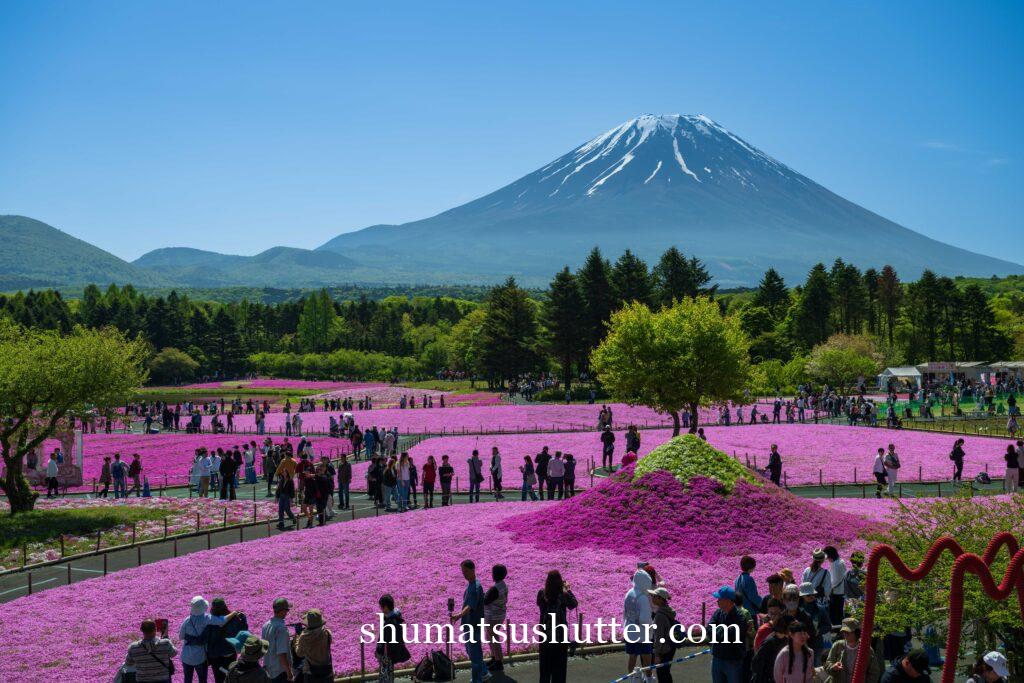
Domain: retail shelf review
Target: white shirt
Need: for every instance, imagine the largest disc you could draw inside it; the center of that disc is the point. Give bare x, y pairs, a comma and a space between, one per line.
51, 469
204, 466
879, 467
837, 572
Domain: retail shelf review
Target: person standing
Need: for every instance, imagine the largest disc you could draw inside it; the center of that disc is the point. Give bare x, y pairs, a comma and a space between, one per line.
495, 605
119, 471
607, 448
795, 662
471, 617
313, 645
496, 473
1012, 470
529, 478
637, 616
839, 664
554, 601
404, 467
429, 479
665, 644
746, 586
52, 487
775, 466
344, 482
556, 476
151, 656
278, 658
837, 577
878, 469
192, 631
105, 477
446, 473
135, 472
570, 475
228, 471
727, 658
541, 462
957, 456
476, 476
892, 468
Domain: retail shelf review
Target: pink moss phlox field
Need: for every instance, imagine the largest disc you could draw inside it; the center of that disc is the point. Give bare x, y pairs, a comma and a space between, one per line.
343, 569
180, 512
658, 515
583, 446
472, 419
882, 509
837, 449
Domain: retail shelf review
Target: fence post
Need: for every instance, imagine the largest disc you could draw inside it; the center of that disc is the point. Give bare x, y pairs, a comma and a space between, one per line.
920, 473
105, 555
785, 479
833, 489
62, 545
134, 524
165, 526
225, 517
69, 573
362, 661
138, 555
209, 541
98, 540
197, 522
939, 484
703, 614
175, 546
854, 475
30, 583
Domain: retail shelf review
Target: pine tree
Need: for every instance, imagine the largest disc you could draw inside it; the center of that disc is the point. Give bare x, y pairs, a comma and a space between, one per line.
889, 295
814, 309
509, 334
631, 281
672, 278
595, 286
563, 318
318, 324
772, 294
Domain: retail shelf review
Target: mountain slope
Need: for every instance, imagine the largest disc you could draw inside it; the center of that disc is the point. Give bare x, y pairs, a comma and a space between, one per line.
35, 254
275, 267
654, 182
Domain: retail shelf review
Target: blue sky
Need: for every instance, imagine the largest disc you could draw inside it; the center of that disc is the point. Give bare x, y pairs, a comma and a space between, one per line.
236, 126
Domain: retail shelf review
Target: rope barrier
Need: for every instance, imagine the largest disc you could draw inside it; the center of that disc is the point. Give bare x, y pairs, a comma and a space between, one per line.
637, 673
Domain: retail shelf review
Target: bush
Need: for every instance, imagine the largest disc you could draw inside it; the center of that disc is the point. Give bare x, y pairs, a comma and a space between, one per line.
689, 456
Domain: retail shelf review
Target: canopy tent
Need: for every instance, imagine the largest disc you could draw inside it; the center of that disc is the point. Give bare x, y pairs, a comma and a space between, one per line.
906, 373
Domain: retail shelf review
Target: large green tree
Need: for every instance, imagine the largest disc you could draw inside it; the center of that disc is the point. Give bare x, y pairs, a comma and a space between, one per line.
509, 334
630, 280
680, 357
47, 379
843, 360
813, 310
772, 294
562, 316
318, 325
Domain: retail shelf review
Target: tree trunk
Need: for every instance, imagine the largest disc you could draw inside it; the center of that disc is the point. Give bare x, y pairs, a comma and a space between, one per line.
693, 418
19, 494
675, 422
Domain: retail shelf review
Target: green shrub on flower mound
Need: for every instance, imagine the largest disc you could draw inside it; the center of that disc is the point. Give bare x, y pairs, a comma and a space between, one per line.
688, 456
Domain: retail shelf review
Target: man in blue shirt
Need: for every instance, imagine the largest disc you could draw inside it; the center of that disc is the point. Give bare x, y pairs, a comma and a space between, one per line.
746, 586
471, 616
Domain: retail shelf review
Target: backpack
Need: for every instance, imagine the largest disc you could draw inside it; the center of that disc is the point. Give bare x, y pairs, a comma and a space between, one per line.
424, 670
983, 478
444, 670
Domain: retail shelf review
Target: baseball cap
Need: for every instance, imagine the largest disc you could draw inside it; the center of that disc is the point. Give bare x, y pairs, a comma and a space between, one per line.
725, 593
996, 660
919, 660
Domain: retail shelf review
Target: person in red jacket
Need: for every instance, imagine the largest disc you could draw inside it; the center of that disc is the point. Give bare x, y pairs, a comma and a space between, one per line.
429, 477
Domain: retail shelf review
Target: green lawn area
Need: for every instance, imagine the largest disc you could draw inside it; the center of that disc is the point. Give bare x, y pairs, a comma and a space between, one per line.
46, 526
460, 386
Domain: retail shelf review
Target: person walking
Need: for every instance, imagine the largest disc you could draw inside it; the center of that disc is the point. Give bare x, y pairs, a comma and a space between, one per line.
554, 601
135, 472
52, 486
105, 477
151, 655
285, 494
775, 466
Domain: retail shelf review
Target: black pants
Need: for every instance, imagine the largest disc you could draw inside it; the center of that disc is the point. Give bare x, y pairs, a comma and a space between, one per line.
570, 487
105, 491
428, 495
776, 477
607, 455
556, 484
227, 487
51, 486
958, 469
664, 674
218, 663
446, 494
554, 662
541, 478
880, 483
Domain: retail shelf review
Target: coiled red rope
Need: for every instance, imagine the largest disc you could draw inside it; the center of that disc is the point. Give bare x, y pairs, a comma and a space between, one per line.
964, 563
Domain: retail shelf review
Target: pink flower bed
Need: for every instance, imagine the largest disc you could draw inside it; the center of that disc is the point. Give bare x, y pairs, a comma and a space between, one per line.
473, 419
837, 449
415, 557
181, 518
583, 446
882, 509
168, 457
381, 395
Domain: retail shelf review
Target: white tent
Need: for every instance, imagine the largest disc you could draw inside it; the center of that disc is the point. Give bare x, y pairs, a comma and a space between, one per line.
906, 373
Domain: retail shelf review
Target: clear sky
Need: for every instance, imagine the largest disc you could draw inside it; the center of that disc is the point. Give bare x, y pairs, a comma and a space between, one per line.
237, 126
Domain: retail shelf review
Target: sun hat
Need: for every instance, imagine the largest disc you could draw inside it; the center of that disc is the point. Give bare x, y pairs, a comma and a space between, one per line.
996, 660
850, 625
199, 606
806, 588
790, 588
661, 592
725, 593
818, 555
919, 660
254, 648
238, 642
314, 618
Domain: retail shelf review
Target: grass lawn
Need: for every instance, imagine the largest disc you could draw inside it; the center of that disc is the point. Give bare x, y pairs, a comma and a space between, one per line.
459, 386
44, 526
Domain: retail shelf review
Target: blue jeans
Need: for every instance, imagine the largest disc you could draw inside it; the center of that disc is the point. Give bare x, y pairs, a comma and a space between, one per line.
726, 670
528, 491
389, 494
120, 487
284, 507
477, 666
403, 496
343, 495
474, 490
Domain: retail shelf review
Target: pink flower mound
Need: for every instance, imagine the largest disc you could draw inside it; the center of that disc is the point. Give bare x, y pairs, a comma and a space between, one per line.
658, 515
343, 569
582, 445
837, 449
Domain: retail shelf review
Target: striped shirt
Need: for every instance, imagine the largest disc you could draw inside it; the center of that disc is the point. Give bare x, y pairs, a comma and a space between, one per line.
151, 659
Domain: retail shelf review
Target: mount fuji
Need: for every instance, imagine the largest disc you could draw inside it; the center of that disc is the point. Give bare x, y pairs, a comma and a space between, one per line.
648, 184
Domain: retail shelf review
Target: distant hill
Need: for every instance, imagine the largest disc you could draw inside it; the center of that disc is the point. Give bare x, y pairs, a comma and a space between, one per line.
34, 254
283, 267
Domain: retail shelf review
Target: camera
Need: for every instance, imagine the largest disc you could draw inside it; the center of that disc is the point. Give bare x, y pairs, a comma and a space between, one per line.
451, 605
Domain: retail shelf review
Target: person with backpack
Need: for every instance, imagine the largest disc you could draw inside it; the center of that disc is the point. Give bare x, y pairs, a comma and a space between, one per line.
554, 601
247, 668
220, 650
313, 646
665, 637
892, 468
957, 456
391, 651
762, 666
151, 656
194, 663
